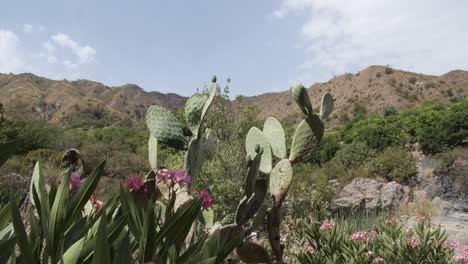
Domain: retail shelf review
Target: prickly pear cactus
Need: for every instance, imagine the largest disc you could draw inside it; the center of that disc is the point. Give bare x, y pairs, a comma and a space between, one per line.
250, 252
327, 105
256, 137
274, 132
306, 138
164, 126
300, 95
193, 111
153, 152
280, 179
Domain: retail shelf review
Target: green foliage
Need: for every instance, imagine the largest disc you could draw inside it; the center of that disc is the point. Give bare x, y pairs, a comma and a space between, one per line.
394, 163
353, 155
386, 242
378, 133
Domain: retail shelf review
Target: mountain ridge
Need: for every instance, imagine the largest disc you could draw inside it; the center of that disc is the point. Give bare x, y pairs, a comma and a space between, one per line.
371, 90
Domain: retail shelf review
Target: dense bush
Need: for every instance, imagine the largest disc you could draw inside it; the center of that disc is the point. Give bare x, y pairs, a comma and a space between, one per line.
387, 242
394, 163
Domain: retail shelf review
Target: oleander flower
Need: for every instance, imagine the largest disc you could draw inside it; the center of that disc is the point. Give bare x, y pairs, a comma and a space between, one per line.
368, 253
379, 260
327, 225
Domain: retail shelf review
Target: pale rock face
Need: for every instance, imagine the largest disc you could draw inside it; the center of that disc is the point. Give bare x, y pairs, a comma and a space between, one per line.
372, 194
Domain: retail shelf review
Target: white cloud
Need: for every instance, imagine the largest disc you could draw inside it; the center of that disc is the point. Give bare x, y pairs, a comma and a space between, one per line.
41, 28
57, 57
343, 36
27, 28
10, 57
85, 53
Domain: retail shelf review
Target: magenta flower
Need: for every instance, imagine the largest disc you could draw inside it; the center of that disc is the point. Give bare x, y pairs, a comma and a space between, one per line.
75, 181
368, 253
327, 225
96, 203
171, 177
310, 248
451, 244
207, 200
181, 178
465, 249
135, 183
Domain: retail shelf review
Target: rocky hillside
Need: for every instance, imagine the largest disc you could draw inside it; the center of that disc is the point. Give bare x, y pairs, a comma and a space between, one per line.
87, 103
370, 91
71, 102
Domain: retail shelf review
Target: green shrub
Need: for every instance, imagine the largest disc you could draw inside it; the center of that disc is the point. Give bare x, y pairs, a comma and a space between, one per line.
353, 155
388, 70
386, 242
394, 163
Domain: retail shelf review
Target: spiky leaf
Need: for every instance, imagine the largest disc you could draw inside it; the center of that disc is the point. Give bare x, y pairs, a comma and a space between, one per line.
280, 179
256, 137
164, 126
327, 105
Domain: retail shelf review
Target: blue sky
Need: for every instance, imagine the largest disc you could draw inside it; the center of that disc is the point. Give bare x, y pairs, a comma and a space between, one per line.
262, 45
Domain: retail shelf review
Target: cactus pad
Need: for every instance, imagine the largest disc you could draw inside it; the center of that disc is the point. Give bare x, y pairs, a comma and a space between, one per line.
199, 150
274, 132
153, 152
300, 95
193, 111
306, 138
164, 126
209, 101
280, 179
327, 105
255, 136
252, 172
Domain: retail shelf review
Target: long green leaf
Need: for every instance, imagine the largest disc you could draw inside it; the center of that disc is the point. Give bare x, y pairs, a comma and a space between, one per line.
147, 240
73, 253
102, 249
83, 194
123, 254
178, 225
57, 217
21, 236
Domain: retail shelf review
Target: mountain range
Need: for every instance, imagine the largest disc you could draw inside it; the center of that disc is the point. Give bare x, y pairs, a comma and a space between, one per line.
87, 103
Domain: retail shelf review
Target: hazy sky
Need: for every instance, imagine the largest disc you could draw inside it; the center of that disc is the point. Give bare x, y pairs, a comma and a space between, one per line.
262, 45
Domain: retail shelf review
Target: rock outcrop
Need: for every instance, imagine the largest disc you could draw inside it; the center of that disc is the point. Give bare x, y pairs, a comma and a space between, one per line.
372, 194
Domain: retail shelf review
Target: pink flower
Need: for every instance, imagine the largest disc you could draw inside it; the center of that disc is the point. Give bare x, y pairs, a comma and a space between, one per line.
327, 225
373, 233
462, 258
465, 249
135, 183
379, 260
206, 197
414, 242
96, 203
410, 230
75, 181
310, 248
451, 244
181, 178
171, 177
390, 221
360, 237
368, 253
